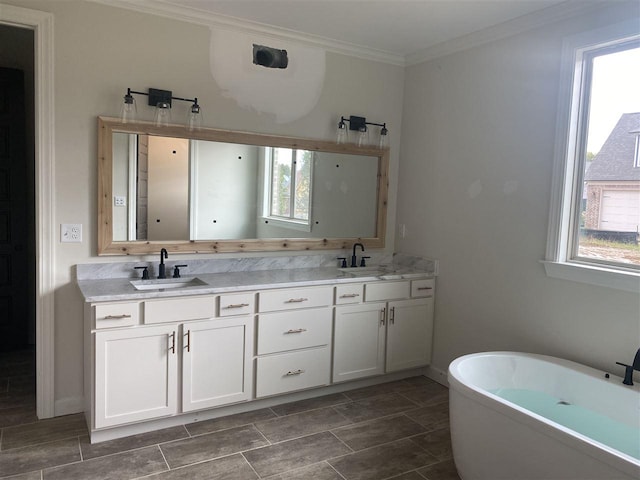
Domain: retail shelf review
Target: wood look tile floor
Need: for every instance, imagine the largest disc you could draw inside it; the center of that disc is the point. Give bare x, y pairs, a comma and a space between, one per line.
397, 430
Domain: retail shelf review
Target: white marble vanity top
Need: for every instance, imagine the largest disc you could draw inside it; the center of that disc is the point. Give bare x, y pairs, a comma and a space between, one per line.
114, 289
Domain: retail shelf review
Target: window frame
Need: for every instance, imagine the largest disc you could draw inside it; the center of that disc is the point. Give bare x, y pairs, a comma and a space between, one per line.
568, 172
279, 220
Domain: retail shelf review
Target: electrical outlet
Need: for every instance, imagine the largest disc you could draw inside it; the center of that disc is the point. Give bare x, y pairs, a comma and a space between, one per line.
71, 233
119, 201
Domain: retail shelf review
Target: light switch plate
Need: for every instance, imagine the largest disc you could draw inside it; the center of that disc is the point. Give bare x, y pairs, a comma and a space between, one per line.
71, 233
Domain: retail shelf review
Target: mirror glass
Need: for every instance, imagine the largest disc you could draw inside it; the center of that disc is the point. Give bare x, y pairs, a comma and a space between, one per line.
214, 190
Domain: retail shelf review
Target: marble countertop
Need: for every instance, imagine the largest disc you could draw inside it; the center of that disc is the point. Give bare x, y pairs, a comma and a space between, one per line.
115, 289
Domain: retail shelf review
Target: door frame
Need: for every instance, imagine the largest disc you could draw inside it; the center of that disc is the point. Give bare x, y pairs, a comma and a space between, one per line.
42, 25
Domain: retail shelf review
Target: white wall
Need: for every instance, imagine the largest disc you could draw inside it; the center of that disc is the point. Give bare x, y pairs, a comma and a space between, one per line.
474, 191
102, 50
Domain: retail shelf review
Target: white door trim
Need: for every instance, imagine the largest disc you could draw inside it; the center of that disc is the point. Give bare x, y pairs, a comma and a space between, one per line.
42, 25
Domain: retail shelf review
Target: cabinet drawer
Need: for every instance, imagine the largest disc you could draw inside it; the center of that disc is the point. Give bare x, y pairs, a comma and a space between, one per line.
423, 288
178, 309
236, 304
292, 371
291, 298
117, 315
349, 293
282, 331
386, 291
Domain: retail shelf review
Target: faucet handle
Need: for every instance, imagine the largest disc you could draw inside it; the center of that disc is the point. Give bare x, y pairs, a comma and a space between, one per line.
344, 261
145, 272
176, 270
362, 261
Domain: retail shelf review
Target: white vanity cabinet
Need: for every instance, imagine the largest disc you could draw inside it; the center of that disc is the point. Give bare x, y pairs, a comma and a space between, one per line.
136, 374
294, 340
382, 334
174, 357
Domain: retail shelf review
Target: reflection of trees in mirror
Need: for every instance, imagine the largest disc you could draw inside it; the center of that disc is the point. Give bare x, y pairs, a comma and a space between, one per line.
291, 184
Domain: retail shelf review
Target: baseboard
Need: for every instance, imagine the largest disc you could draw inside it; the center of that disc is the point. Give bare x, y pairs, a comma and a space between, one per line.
436, 375
68, 406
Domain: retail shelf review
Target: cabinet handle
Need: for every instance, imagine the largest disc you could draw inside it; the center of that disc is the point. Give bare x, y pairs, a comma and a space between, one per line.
237, 305
296, 300
382, 315
188, 340
117, 317
296, 330
425, 288
294, 372
173, 342
350, 295
392, 315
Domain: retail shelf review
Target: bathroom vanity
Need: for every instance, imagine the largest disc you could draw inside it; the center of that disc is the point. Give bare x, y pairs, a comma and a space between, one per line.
237, 341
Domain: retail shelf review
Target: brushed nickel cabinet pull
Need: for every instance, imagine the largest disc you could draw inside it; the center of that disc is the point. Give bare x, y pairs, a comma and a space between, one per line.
188, 340
296, 300
237, 305
294, 372
350, 295
117, 317
382, 315
173, 342
296, 330
392, 315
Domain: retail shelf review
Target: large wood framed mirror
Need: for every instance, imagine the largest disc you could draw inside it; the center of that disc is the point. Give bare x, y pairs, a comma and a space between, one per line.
209, 191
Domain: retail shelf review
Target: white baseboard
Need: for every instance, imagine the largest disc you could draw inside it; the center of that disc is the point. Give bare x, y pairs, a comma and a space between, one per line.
68, 406
436, 375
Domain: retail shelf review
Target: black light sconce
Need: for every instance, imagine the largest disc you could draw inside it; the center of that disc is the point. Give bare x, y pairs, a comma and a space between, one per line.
359, 124
161, 100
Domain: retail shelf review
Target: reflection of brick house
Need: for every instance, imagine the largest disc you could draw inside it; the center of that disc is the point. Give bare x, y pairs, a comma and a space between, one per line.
612, 182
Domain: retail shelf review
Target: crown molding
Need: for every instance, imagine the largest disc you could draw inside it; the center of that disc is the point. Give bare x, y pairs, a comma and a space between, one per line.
507, 29
500, 31
211, 20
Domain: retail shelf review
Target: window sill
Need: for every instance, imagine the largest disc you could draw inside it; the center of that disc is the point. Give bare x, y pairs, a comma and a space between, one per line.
594, 275
292, 225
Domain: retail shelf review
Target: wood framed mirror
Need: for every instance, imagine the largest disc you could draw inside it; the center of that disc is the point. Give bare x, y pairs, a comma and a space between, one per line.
212, 191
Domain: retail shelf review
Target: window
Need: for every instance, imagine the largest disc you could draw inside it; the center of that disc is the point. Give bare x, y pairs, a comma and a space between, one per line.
595, 211
289, 186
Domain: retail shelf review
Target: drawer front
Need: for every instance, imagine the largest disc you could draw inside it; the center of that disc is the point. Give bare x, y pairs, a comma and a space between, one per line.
236, 304
178, 309
381, 291
423, 288
292, 298
349, 293
292, 371
282, 331
117, 315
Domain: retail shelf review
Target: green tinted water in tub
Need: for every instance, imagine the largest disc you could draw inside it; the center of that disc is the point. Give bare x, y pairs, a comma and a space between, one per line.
600, 428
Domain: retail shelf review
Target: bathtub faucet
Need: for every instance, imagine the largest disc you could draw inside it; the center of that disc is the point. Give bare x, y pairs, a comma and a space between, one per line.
628, 369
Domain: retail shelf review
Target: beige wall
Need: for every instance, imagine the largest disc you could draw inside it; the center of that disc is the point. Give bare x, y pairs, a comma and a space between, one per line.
99, 52
475, 186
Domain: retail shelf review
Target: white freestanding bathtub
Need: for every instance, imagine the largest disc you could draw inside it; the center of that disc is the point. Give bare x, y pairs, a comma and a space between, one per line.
518, 416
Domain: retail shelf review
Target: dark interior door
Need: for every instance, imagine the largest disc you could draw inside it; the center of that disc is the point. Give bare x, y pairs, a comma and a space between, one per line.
13, 212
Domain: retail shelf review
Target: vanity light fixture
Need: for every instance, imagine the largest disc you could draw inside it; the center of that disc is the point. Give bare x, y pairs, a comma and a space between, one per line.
359, 125
161, 100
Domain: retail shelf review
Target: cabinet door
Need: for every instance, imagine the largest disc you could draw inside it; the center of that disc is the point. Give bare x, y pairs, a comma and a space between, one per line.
359, 341
409, 334
136, 374
216, 362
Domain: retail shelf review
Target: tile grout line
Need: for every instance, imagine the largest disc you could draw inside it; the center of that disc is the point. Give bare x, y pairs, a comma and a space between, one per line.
80, 450
163, 457
249, 463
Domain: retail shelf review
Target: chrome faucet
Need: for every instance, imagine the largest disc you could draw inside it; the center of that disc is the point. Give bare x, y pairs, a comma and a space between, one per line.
163, 255
628, 369
354, 259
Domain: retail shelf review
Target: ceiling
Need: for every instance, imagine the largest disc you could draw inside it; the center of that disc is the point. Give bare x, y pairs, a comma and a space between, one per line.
398, 31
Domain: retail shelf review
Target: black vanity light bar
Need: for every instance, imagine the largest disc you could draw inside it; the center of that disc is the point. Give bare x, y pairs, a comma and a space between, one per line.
356, 123
157, 96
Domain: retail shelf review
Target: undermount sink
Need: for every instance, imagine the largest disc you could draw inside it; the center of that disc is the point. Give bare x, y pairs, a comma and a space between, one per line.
167, 283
